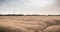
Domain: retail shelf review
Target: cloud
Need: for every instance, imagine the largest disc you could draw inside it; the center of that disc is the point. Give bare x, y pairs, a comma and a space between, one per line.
13, 2
30, 6
58, 2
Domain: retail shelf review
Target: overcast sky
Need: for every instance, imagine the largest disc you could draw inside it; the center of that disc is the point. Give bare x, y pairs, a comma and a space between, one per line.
43, 7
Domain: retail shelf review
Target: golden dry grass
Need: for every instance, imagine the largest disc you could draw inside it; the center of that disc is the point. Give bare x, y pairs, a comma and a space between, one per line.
28, 23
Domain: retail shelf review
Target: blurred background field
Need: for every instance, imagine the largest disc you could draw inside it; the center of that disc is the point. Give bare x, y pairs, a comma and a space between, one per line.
28, 23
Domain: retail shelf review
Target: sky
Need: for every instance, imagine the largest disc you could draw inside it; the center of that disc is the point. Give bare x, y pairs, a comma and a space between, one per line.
42, 7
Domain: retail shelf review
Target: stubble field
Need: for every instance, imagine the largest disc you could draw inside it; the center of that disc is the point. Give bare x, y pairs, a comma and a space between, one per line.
29, 23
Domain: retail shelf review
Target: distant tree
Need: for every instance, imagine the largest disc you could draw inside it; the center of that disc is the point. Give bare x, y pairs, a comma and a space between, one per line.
0, 14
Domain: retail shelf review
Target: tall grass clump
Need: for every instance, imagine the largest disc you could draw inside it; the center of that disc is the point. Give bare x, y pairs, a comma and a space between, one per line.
55, 28
8, 29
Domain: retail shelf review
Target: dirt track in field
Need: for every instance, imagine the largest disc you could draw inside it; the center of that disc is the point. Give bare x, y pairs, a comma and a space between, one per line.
29, 23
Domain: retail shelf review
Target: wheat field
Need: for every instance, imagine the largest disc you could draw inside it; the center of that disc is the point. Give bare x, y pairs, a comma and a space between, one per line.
29, 23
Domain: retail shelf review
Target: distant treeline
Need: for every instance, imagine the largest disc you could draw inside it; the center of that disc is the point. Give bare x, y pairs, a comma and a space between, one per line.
25, 15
